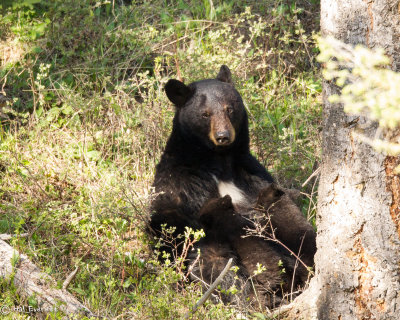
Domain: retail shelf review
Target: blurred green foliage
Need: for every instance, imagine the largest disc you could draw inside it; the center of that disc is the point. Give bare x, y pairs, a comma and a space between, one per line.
369, 88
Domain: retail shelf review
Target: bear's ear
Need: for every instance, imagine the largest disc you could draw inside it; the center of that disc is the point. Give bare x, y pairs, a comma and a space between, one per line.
177, 92
224, 74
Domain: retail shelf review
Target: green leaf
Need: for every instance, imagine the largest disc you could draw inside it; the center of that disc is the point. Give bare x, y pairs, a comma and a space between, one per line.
259, 315
67, 109
93, 155
127, 283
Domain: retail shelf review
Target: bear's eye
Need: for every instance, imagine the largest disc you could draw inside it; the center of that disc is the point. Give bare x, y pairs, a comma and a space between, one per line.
205, 115
230, 110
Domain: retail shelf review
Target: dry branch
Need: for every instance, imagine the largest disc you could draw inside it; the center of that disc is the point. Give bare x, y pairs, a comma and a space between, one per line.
315, 173
70, 278
30, 280
211, 289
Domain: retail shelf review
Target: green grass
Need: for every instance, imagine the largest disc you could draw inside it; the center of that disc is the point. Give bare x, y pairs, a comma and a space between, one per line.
84, 120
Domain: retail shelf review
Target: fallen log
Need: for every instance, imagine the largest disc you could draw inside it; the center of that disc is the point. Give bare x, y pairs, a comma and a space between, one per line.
31, 281
10, 236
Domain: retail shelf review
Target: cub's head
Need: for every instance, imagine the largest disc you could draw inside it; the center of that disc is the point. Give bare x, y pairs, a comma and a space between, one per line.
219, 218
210, 110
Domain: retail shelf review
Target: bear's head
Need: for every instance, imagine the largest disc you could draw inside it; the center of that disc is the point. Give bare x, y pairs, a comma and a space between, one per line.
209, 112
218, 217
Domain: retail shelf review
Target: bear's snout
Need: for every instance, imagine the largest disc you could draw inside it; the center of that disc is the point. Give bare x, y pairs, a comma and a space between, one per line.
222, 132
223, 137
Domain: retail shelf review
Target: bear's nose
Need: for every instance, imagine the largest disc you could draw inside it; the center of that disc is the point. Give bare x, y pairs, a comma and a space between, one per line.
223, 137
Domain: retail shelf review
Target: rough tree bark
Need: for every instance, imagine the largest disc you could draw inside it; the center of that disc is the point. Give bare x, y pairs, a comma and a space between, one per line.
358, 257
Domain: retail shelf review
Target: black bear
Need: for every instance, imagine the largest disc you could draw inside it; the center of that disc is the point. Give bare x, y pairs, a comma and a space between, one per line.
207, 157
283, 220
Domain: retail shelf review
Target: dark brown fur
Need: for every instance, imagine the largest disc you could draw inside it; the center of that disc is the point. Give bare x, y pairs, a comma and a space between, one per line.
224, 226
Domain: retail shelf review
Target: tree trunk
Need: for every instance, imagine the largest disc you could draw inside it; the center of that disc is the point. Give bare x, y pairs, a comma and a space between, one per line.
358, 257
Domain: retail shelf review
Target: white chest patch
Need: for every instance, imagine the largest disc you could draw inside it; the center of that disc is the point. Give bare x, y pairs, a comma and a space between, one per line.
229, 188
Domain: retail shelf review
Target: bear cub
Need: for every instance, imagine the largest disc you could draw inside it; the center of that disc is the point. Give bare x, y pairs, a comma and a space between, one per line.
224, 226
208, 179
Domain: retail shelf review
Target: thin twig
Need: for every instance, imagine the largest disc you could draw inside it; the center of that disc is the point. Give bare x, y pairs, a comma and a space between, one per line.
281, 310
210, 290
290, 251
190, 269
309, 216
296, 264
70, 278
15, 155
136, 209
200, 280
316, 172
272, 237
